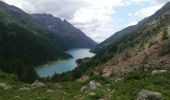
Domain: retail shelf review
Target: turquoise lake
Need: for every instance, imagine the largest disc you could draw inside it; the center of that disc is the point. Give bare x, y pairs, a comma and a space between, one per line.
63, 65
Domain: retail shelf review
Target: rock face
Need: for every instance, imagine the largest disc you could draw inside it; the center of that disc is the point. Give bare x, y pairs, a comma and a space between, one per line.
158, 71
37, 84
148, 95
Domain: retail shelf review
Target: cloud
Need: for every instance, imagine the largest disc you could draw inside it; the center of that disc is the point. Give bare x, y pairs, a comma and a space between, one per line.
148, 11
94, 17
63, 9
160, 1
131, 23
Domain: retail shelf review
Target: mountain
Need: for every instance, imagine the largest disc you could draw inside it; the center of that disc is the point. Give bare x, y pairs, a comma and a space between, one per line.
71, 36
135, 66
26, 42
124, 34
142, 46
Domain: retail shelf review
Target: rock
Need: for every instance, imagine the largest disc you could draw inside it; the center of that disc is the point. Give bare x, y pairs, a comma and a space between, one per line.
148, 95
57, 86
158, 71
4, 86
108, 90
37, 84
117, 80
83, 88
93, 85
17, 96
50, 91
92, 94
25, 89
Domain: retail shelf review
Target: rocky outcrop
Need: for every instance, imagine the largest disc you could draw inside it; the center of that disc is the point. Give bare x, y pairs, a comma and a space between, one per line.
149, 95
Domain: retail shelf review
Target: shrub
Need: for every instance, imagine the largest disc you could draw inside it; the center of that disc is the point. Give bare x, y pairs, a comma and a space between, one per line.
165, 49
138, 75
165, 34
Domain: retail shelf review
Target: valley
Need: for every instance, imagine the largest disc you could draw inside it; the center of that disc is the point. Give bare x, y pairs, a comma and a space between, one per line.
43, 57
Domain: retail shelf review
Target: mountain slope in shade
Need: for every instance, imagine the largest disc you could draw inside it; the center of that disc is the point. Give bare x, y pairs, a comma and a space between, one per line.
25, 42
71, 36
49, 30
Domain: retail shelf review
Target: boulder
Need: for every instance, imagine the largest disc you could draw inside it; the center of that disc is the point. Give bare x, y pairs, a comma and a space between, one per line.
37, 84
149, 95
57, 86
50, 91
158, 71
25, 89
92, 94
93, 85
83, 88
4, 86
117, 80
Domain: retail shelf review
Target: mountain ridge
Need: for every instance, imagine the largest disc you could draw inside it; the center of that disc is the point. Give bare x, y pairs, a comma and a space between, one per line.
114, 39
26, 43
64, 29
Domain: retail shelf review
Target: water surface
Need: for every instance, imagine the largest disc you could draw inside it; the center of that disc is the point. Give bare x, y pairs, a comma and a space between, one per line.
63, 65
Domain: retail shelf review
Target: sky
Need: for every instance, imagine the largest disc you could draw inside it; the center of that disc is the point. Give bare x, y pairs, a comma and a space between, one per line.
98, 19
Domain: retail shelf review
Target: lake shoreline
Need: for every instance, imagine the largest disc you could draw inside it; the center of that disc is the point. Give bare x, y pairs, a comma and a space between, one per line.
63, 65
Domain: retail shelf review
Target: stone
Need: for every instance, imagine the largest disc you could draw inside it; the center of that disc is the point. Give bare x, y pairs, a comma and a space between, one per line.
149, 95
17, 96
25, 89
92, 94
50, 91
93, 85
4, 86
83, 88
158, 71
117, 80
37, 84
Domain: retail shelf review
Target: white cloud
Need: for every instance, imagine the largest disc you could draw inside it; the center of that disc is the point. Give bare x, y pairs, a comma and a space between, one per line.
131, 23
94, 17
148, 11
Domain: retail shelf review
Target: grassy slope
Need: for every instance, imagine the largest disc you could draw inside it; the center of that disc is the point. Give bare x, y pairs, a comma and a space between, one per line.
125, 89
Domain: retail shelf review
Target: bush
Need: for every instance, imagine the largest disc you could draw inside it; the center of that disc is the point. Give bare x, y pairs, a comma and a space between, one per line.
165, 34
138, 75
165, 49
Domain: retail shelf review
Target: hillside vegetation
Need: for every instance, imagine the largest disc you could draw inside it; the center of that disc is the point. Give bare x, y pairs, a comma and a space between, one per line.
26, 43
133, 64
